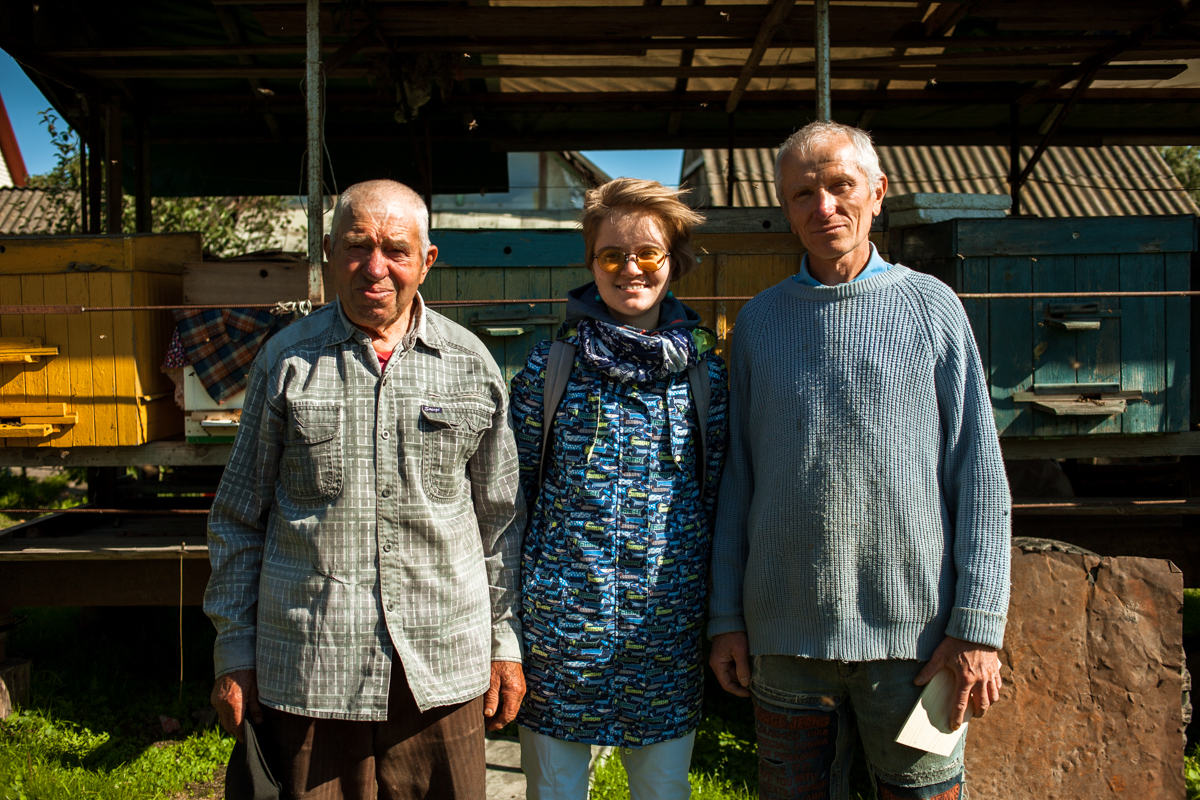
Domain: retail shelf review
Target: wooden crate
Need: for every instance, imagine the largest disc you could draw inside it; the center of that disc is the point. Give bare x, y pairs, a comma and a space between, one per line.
106, 372
1134, 351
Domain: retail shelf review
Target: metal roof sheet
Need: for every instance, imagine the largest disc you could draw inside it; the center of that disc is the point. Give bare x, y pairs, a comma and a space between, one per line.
26, 210
1067, 182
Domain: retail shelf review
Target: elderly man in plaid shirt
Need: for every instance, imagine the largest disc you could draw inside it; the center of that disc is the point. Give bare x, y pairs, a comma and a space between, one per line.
366, 534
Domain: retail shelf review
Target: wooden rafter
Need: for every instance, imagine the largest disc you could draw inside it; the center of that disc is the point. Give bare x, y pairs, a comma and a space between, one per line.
770, 25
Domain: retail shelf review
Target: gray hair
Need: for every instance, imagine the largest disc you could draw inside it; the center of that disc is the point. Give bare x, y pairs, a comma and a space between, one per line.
820, 132
370, 192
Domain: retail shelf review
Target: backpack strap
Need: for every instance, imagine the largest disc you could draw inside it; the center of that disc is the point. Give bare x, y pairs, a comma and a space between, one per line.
701, 394
558, 371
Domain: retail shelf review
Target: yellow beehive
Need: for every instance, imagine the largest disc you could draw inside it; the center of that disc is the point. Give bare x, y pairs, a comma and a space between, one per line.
103, 387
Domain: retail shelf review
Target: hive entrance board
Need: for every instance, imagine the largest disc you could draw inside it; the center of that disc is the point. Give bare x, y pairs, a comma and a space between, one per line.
34, 420
27, 350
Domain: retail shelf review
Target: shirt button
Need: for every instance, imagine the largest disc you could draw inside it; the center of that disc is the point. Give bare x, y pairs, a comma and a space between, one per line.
386, 434
387, 491
387, 548
389, 607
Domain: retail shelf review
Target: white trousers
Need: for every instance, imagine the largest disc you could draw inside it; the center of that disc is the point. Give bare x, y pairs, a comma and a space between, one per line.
558, 770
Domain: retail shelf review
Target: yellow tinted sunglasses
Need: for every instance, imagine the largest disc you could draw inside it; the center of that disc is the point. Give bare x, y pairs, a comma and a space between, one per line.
649, 259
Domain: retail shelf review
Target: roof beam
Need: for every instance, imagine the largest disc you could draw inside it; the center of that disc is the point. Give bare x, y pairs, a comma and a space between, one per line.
770, 25
1086, 71
949, 74
234, 31
46, 65
350, 49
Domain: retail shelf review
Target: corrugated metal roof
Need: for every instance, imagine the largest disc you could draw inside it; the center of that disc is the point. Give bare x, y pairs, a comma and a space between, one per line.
1109, 181
24, 211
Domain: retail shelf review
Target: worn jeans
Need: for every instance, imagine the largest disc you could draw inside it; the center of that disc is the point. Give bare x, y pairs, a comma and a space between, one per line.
807, 713
558, 770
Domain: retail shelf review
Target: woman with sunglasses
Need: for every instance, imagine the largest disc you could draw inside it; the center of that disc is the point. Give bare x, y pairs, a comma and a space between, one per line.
621, 490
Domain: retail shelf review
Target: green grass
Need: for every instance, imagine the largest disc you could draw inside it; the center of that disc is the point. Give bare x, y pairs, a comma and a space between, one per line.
1191, 612
102, 678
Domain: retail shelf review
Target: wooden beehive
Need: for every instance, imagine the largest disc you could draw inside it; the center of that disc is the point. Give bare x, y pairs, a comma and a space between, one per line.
1064, 366
104, 386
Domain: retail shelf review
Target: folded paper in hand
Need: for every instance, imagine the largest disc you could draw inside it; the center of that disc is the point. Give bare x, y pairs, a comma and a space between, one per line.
928, 726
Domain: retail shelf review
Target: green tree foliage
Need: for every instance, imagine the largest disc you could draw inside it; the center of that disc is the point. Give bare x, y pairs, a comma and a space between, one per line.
1185, 163
229, 226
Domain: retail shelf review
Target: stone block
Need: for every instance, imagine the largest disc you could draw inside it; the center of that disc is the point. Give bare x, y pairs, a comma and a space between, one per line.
15, 677
1093, 683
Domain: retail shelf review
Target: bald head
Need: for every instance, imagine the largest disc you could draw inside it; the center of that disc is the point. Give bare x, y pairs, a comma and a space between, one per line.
381, 198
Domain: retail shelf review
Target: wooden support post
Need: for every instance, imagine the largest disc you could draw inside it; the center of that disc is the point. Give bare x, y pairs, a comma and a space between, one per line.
112, 157
730, 185
316, 205
95, 163
720, 284
141, 170
1014, 158
821, 46
83, 174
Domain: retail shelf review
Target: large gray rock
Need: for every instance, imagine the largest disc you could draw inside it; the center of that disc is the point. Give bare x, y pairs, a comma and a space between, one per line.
1092, 669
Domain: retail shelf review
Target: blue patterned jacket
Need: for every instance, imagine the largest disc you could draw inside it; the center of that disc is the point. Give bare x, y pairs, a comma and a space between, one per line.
616, 558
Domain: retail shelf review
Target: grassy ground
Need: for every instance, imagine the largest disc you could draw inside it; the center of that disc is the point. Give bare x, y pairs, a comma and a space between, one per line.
103, 679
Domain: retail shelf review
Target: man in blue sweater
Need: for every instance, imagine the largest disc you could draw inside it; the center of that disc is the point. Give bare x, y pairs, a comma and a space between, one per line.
862, 538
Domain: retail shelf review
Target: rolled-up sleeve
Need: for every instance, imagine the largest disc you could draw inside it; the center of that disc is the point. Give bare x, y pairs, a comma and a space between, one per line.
500, 512
237, 528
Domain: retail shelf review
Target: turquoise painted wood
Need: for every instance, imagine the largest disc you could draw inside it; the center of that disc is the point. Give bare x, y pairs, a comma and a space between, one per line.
1011, 345
473, 265
1142, 344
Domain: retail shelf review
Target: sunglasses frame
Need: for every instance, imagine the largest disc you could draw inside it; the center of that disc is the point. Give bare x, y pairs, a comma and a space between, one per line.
657, 264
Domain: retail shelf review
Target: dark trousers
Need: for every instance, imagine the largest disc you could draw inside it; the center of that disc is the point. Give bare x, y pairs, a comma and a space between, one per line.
435, 754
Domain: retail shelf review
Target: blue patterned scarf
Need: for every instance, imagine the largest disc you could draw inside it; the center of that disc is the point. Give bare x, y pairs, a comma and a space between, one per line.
631, 356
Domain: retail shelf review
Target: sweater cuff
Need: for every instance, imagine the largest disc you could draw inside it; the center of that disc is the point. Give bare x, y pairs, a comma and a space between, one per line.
234, 654
978, 626
720, 625
506, 641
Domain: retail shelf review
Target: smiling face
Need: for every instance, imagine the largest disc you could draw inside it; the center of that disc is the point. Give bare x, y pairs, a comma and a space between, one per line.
829, 201
631, 295
376, 263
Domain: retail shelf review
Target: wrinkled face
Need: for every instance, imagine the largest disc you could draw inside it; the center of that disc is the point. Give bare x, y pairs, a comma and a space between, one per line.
828, 200
376, 262
631, 294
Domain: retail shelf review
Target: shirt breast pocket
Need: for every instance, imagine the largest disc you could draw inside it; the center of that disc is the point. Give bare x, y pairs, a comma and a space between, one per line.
311, 468
450, 434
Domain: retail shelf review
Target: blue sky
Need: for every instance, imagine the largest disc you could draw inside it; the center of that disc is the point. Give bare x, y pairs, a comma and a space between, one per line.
23, 102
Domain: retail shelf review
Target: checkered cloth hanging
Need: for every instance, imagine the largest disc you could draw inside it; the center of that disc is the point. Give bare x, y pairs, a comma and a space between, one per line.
222, 343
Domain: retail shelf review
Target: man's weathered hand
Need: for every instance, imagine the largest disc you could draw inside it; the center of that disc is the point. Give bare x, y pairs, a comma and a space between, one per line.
503, 698
976, 669
730, 660
233, 696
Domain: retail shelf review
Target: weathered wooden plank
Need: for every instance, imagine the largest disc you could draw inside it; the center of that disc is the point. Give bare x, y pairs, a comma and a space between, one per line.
563, 280
248, 281
1143, 344
1178, 365
1053, 349
169, 452
743, 220
784, 243
79, 362
1075, 236
973, 277
483, 284
125, 345
104, 377
12, 376
1102, 446
58, 370
1099, 352
1010, 333
33, 292
527, 283
42, 409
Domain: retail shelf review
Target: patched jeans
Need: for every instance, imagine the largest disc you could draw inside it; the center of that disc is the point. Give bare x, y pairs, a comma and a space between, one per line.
807, 713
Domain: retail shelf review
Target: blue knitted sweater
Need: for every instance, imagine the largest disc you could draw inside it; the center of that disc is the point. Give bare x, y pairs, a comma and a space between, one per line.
864, 513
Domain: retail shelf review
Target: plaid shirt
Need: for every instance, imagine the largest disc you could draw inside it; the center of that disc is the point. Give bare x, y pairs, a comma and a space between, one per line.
364, 514
221, 344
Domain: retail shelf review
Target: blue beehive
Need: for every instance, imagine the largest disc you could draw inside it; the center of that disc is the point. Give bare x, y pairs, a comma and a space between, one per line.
1072, 366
